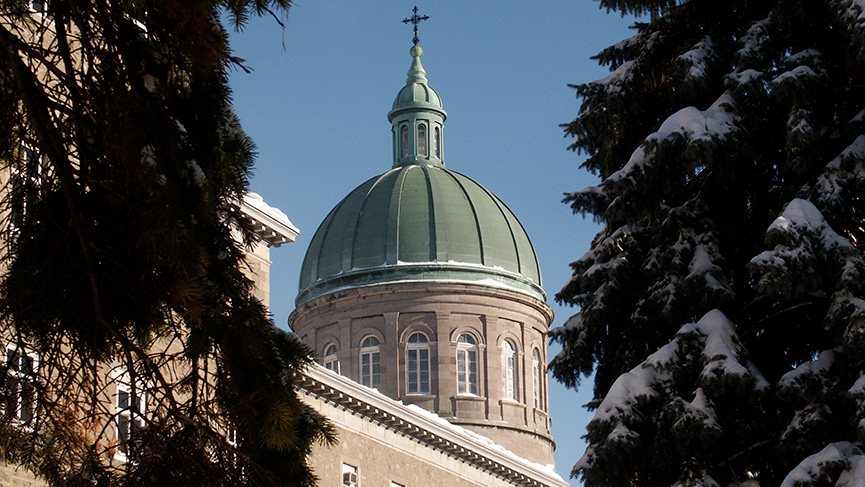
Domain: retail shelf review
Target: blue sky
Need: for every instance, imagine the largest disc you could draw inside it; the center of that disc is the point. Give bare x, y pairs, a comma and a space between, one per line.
316, 105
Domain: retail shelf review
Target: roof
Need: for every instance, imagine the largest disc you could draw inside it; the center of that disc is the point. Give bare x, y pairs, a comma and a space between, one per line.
427, 429
269, 223
416, 95
419, 222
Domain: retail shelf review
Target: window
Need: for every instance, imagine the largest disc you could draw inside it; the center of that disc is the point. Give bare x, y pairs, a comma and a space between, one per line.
421, 140
330, 360
26, 178
370, 363
467, 364
39, 6
437, 143
404, 136
537, 373
20, 390
130, 406
349, 476
417, 364
509, 371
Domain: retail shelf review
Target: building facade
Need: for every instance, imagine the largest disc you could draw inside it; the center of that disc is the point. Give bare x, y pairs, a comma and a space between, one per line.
127, 409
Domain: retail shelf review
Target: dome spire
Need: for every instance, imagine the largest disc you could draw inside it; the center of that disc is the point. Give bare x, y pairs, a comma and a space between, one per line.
416, 73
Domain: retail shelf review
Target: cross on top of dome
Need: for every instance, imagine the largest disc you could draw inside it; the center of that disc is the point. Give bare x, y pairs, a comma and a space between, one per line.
415, 19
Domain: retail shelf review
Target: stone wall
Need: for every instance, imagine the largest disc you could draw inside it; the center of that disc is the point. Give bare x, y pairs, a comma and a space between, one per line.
383, 456
443, 311
13, 476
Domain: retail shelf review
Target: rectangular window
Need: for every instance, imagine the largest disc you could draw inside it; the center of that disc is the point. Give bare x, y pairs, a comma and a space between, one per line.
370, 369
20, 390
331, 364
418, 371
130, 407
349, 476
421, 140
509, 388
536, 384
467, 372
39, 6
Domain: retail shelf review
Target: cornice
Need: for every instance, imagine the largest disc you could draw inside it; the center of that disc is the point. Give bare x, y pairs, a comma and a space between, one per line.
269, 223
432, 432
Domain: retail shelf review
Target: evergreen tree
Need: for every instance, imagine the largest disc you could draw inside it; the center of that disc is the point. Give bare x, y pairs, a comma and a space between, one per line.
123, 254
722, 305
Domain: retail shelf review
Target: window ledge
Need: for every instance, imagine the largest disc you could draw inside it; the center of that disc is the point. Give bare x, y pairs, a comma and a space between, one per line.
471, 397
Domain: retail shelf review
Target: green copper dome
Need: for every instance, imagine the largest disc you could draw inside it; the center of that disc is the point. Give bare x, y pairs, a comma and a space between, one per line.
419, 221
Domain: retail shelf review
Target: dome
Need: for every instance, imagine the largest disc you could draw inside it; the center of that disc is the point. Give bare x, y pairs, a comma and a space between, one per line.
419, 223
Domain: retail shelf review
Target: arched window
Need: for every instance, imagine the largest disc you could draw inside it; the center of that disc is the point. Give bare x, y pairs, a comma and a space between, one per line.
370, 363
467, 364
437, 143
330, 360
417, 364
404, 137
509, 371
537, 373
421, 140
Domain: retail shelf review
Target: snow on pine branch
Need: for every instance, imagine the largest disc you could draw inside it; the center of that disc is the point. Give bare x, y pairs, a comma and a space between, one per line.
818, 468
695, 125
855, 12
849, 164
721, 353
614, 81
802, 238
698, 58
753, 42
795, 234
661, 389
809, 372
800, 217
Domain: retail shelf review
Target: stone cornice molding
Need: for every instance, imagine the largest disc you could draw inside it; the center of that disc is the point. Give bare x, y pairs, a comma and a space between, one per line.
269, 223
348, 297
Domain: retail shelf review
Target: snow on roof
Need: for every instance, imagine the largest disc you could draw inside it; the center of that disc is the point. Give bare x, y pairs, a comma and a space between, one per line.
429, 428
269, 223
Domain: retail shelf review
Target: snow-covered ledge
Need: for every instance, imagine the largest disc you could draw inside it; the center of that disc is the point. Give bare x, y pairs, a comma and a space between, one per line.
269, 223
427, 428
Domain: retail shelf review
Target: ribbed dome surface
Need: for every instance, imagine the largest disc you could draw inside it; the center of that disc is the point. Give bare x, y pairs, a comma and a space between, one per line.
417, 95
419, 222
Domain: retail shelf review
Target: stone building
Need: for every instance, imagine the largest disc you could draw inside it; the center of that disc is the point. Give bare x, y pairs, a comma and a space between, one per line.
272, 229
424, 287
421, 295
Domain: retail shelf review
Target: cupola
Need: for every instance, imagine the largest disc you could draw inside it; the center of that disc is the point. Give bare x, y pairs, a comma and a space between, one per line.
418, 119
